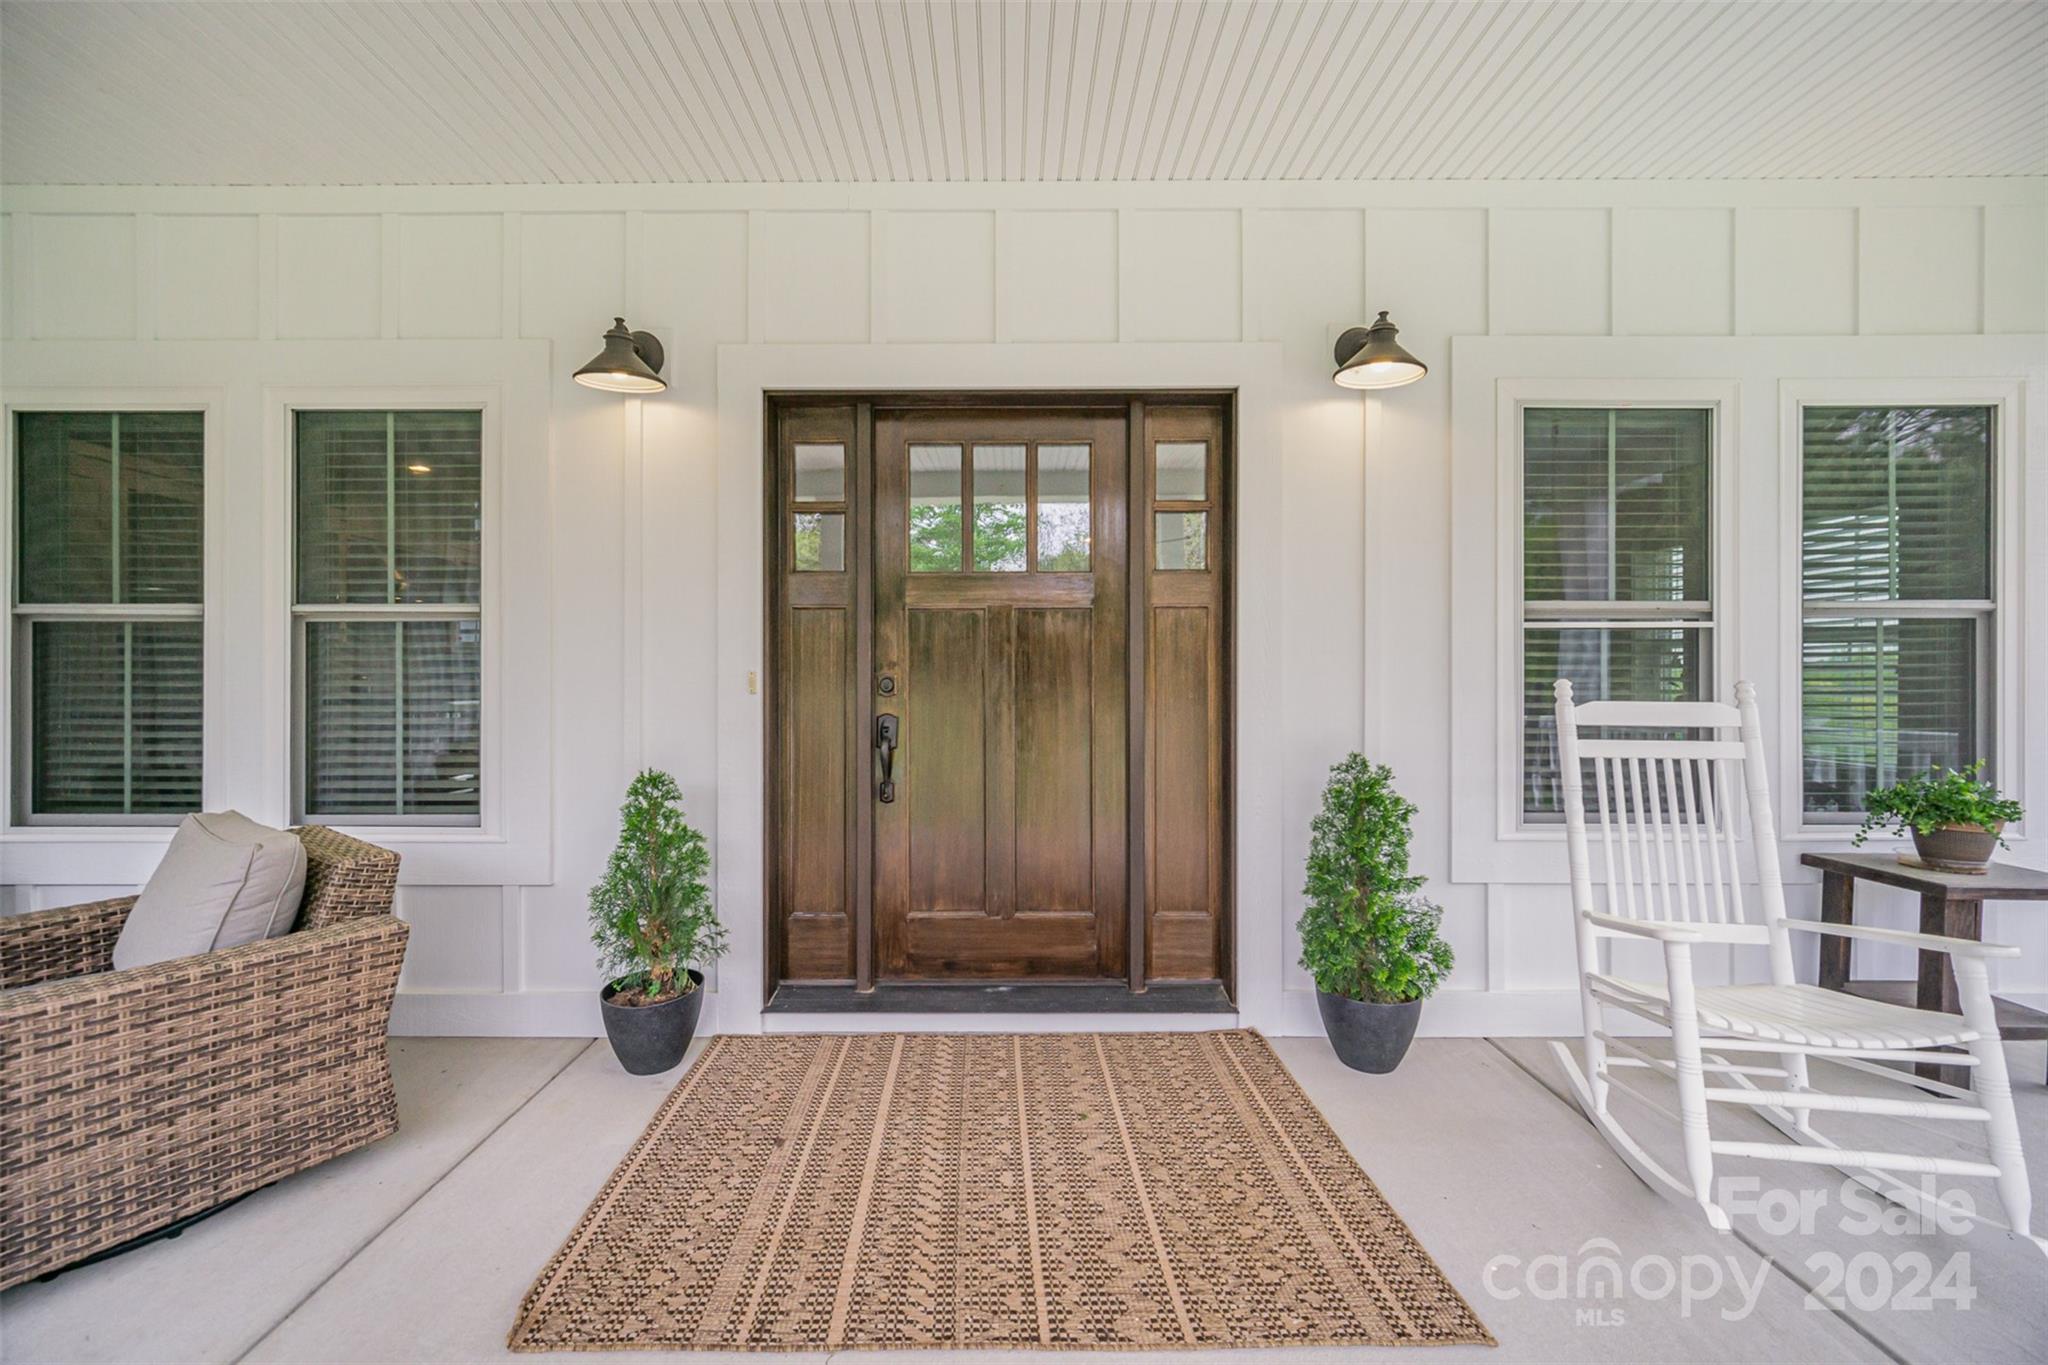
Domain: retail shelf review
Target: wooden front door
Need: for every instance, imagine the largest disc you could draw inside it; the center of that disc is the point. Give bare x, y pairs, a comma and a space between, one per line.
1000, 659
1014, 611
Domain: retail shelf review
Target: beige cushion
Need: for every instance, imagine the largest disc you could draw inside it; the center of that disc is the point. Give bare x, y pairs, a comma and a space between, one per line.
225, 880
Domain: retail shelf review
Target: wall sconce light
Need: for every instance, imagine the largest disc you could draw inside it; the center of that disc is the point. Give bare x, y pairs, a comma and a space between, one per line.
1370, 358
629, 363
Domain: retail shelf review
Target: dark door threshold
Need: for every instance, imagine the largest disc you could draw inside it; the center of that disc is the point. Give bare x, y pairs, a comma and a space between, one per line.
1002, 997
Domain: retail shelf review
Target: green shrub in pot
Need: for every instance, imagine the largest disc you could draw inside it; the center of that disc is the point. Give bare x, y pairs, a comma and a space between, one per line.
1368, 936
1954, 816
654, 926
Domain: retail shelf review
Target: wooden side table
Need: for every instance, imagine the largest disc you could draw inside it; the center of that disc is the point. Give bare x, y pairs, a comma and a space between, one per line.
1952, 905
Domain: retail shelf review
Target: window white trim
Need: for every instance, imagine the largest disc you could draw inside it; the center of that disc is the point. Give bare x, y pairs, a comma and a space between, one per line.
487, 402
2003, 716
1717, 400
244, 386
1512, 396
516, 778
145, 833
1761, 616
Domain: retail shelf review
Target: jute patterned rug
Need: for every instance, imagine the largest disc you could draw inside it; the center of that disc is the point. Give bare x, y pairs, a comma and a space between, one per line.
1105, 1191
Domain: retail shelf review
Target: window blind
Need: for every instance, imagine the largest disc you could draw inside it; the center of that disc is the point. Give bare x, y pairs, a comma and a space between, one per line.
111, 522
1616, 572
389, 575
1896, 513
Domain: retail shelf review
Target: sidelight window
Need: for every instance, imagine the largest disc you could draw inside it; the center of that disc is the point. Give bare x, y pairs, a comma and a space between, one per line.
107, 617
1180, 499
387, 615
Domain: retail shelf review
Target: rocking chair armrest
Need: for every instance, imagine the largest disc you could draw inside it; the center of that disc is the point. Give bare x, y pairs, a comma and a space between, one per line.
1933, 943
1662, 931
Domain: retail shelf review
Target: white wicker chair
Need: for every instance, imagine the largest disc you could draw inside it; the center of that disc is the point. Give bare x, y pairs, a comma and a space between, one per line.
1666, 812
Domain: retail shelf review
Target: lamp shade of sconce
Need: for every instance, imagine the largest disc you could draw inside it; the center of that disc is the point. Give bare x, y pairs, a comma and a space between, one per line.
629, 363
1370, 358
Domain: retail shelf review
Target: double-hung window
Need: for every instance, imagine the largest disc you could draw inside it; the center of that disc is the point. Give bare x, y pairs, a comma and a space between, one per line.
387, 619
1896, 588
1617, 582
110, 510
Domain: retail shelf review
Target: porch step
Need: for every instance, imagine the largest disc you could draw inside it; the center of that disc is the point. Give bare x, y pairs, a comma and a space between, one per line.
1002, 997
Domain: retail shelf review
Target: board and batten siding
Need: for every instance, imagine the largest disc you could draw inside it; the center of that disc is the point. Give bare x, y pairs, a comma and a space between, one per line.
1364, 485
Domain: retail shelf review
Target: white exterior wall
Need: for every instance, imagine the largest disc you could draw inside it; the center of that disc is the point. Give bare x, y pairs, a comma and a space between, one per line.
628, 580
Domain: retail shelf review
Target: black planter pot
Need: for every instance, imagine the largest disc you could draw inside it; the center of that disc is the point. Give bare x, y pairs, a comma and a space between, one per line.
1368, 1037
648, 1039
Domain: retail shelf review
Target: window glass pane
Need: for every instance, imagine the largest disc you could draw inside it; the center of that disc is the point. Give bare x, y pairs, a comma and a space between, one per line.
115, 725
69, 506
1896, 503
819, 542
1882, 699
1615, 504
999, 524
1180, 471
438, 523
820, 472
391, 716
443, 666
1180, 540
351, 717
343, 500
1063, 508
1660, 664
163, 508
935, 509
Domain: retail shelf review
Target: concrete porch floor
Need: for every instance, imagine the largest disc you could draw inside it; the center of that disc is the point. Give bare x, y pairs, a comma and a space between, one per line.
421, 1247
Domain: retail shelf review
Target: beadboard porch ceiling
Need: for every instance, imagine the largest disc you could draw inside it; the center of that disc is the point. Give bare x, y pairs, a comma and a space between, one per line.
677, 91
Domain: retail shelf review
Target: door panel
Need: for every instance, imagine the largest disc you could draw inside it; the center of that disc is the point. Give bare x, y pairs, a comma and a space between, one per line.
1054, 704
941, 760
1001, 626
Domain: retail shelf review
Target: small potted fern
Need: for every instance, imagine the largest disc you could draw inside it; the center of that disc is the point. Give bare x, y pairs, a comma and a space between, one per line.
1368, 937
1956, 819
654, 927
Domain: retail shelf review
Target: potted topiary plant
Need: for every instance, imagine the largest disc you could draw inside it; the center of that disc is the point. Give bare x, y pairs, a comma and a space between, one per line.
1368, 937
651, 919
1955, 818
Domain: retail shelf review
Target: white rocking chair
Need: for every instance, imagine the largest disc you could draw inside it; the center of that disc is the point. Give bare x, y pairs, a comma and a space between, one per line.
1666, 810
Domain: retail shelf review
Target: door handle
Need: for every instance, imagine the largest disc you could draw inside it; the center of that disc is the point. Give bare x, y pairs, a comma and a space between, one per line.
885, 750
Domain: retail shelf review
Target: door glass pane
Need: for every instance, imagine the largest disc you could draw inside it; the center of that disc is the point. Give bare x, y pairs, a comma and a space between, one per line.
934, 509
1883, 699
1660, 664
820, 542
1180, 540
1063, 510
820, 472
1181, 471
999, 525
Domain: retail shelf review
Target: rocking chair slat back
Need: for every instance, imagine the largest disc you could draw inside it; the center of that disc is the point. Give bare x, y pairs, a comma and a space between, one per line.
1667, 811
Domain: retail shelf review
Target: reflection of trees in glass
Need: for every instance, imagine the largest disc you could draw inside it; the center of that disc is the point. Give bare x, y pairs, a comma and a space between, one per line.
999, 537
1062, 536
819, 541
935, 537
